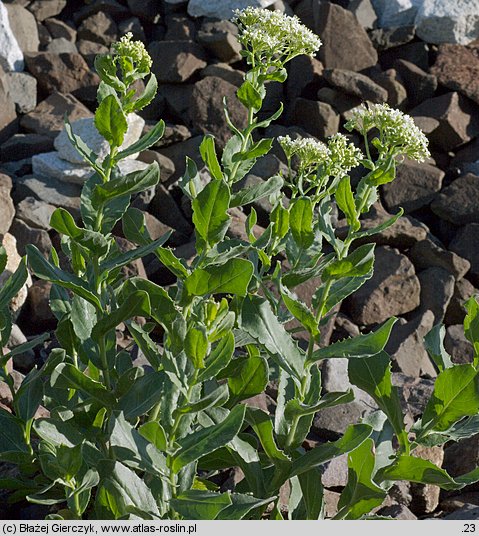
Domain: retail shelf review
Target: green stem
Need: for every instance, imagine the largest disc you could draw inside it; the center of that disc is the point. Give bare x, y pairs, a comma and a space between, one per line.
244, 145
104, 363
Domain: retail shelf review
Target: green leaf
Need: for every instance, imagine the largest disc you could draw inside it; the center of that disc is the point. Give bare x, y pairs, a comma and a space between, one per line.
263, 426
209, 213
110, 120
200, 504
190, 182
136, 304
241, 505
145, 392
144, 142
247, 377
345, 201
208, 154
66, 376
215, 398
12, 286
295, 408
455, 395
280, 220
196, 345
471, 325
3, 258
107, 71
258, 149
231, 277
373, 375
381, 227
45, 270
83, 317
357, 264
361, 494
250, 195
82, 148
300, 311
360, 346
202, 442
147, 96
153, 432
30, 395
219, 358
354, 436
249, 96
382, 175
301, 221
12, 438
57, 432
259, 321
434, 344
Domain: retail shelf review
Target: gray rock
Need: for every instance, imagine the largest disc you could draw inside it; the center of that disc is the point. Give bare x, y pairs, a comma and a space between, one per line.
414, 186
13, 262
7, 209
28, 235
425, 498
339, 101
455, 313
167, 167
89, 49
304, 72
393, 290
57, 193
335, 472
448, 21
62, 46
390, 81
458, 203
220, 40
419, 84
355, 84
11, 55
134, 26
331, 423
456, 344
462, 457
397, 511
8, 117
173, 134
35, 213
426, 253
437, 288
222, 9
145, 9
59, 29
21, 146
179, 60
363, 10
182, 28
317, 118
393, 13
224, 71
23, 91
466, 244
44, 9
385, 38
24, 27
99, 27
468, 512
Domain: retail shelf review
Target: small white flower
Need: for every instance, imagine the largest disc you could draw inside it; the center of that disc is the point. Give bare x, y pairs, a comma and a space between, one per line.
309, 151
135, 50
344, 155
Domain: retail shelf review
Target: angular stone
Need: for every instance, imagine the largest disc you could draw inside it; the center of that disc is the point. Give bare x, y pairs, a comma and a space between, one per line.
468, 512
86, 130
89, 49
414, 187
456, 344
21, 146
99, 27
13, 262
392, 13
177, 153
179, 60
49, 115
462, 457
35, 213
173, 134
331, 423
166, 210
355, 84
339, 101
224, 71
333, 23
28, 235
335, 472
222, 9
397, 511
23, 91
24, 27
390, 81
221, 41
59, 29
426, 497
363, 10
304, 72
458, 119
393, 290
419, 84
44, 9
466, 244
317, 118
457, 68
66, 73
8, 117
448, 21
416, 52
7, 209
11, 55
437, 288
458, 203
62, 46
456, 312
113, 7
426, 253
181, 28
385, 38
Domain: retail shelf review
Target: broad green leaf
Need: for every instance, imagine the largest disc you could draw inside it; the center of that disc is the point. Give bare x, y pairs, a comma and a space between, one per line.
30, 395
83, 317
144, 142
200, 504
202, 442
382, 175
153, 432
235, 170
190, 182
301, 221
249, 96
110, 120
215, 398
11, 287
252, 194
145, 392
262, 424
471, 325
312, 494
373, 375
57, 432
247, 377
241, 505
361, 494
45, 270
134, 227
146, 344
218, 358
352, 438
3, 258
209, 213
66, 376
300, 311
434, 344
357, 264
280, 219
345, 200
455, 395
136, 304
258, 149
196, 345
259, 321
12, 438
381, 227
295, 408
360, 346
208, 154
82, 148
147, 95
106, 69
231, 277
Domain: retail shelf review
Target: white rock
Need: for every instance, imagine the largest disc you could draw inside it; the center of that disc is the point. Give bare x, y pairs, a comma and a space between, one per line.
50, 166
13, 261
448, 21
86, 130
392, 13
222, 9
11, 56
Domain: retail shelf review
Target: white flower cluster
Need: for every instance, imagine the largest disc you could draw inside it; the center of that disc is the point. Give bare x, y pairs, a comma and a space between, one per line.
135, 50
397, 130
344, 155
308, 150
271, 34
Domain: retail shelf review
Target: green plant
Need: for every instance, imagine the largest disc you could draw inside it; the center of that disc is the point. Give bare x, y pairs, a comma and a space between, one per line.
122, 442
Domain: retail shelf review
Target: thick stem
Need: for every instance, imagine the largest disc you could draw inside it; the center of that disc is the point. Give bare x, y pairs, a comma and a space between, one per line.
244, 145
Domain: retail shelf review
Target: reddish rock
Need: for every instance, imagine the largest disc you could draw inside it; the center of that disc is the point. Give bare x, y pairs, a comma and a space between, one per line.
176, 60
317, 118
458, 203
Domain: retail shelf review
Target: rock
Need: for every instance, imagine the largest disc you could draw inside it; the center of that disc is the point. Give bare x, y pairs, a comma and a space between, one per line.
8, 117
167, 167
7, 209
24, 27
331, 500
455, 313
89, 49
99, 27
355, 53
135, 268
179, 60
134, 26
437, 288
390, 81
206, 108
66, 73
456, 344
219, 38
419, 84
59, 29
426, 253
57, 193
224, 71
23, 91
173, 134
363, 10
335, 472
51, 165
458, 203
304, 72
35, 213
385, 38
11, 56
21, 146
40, 316
416, 52
181, 28
145, 9
466, 244
450, 504
177, 99
44, 9
317, 118
446, 21
393, 290
426, 497
331, 423
13, 262
177, 153
468, 512
397, 511
414, 186
340, 102
222, 9
393, 13
406, 346
62, 46
27, 235
165, 209
86, 130
355, 84
458, 119
457, 68
462, 457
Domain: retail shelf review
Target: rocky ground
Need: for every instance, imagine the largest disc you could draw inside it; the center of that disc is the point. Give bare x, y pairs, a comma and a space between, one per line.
427, 264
